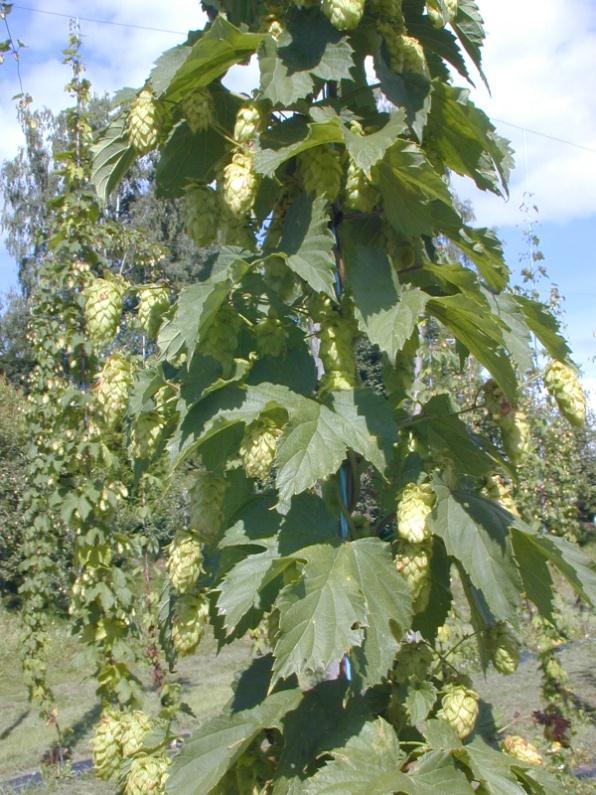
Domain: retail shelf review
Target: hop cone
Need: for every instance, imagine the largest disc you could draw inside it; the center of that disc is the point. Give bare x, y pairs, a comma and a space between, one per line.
112, 386
336, 350
497, 489
106, 748
248, 124
271, 337
414, 506
405, 52
206, 502
239, 184
189, 622
521, 749
153, 302
184, 561
361, 194
343, 14
143, 122
515, 430
147, 774
459, 707
198, 110
413, 562
103, 308
412, 660
504, 649
321, 171
201, 214
562, 383
495, 401
258, 447
146, 435
135, 727
436, 15
220, 341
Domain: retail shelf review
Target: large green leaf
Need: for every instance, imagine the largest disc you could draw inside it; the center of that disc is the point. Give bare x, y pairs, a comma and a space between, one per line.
221, 46
330, 131
469, 27
316, 46
473, 532
534, 572
484, 249
112, 157
278, 84
416, 199
343, 589
366, 150
214, 748
407, 90
385, 312
516, 332
490, 767
307, 244
545, 326
166, 67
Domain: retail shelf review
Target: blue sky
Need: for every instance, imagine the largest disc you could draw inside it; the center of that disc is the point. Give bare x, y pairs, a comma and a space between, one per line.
540, 60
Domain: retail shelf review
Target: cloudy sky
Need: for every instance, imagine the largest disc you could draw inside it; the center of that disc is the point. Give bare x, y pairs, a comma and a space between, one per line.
541, 63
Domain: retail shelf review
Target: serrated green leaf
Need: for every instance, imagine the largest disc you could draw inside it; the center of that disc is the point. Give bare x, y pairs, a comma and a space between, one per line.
278, 85
317, 47
267, 161
112, 157
439, 41
490, 767
484, 249
419, 700
166, 66
516, 332
545, 326
366, 150
214, 748
469, 27
307, 244
473, 532
416, 199
410, 91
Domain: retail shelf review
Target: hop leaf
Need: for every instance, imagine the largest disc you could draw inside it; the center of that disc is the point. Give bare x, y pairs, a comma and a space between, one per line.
112, 386
201, 214
188, 626
414, 507
321, 172
562, 383
184, 561
258, 447
153, 302
103, 307
198, 110
459, 707
240, 184
136, 726
343, 14
521, 749
147, 774
106, 745
143, 122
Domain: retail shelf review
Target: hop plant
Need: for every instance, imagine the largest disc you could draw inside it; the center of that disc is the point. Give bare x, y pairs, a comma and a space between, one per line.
412, 661
343, 14
497, 489
206, 505
198, 110
361, 194
258, 447
106, 745
459, 707
112, 386
136, 726
146, 434
414, 506
562, 383
188, 625
521, 749
413, 562
321, 171
221, 338
147, 774
271, 337
201, 214
184, 561
103, 308
405, 52
504, 649
239, 184
154, 300
143, 122
248, 124
336, 336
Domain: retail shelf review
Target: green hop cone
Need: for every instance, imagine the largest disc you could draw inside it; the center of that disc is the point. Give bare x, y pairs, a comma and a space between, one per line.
321, 171
190, 619
104, 299
236, 230
336, 337
112, 387
146, 435
143, 122
198, 110
154, 301
147, 776
436, 15
206, 505
515, 430
503, 648
248, 124
459, 707
361, 194
412, 661
562, 383
184, 561
220, 341
136, 726
406, 54
271, 337
239, 187
521, 749
106, 745
495, 401
497, 489
201, 214
414, 506
343, 14
258, 447
413, 563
